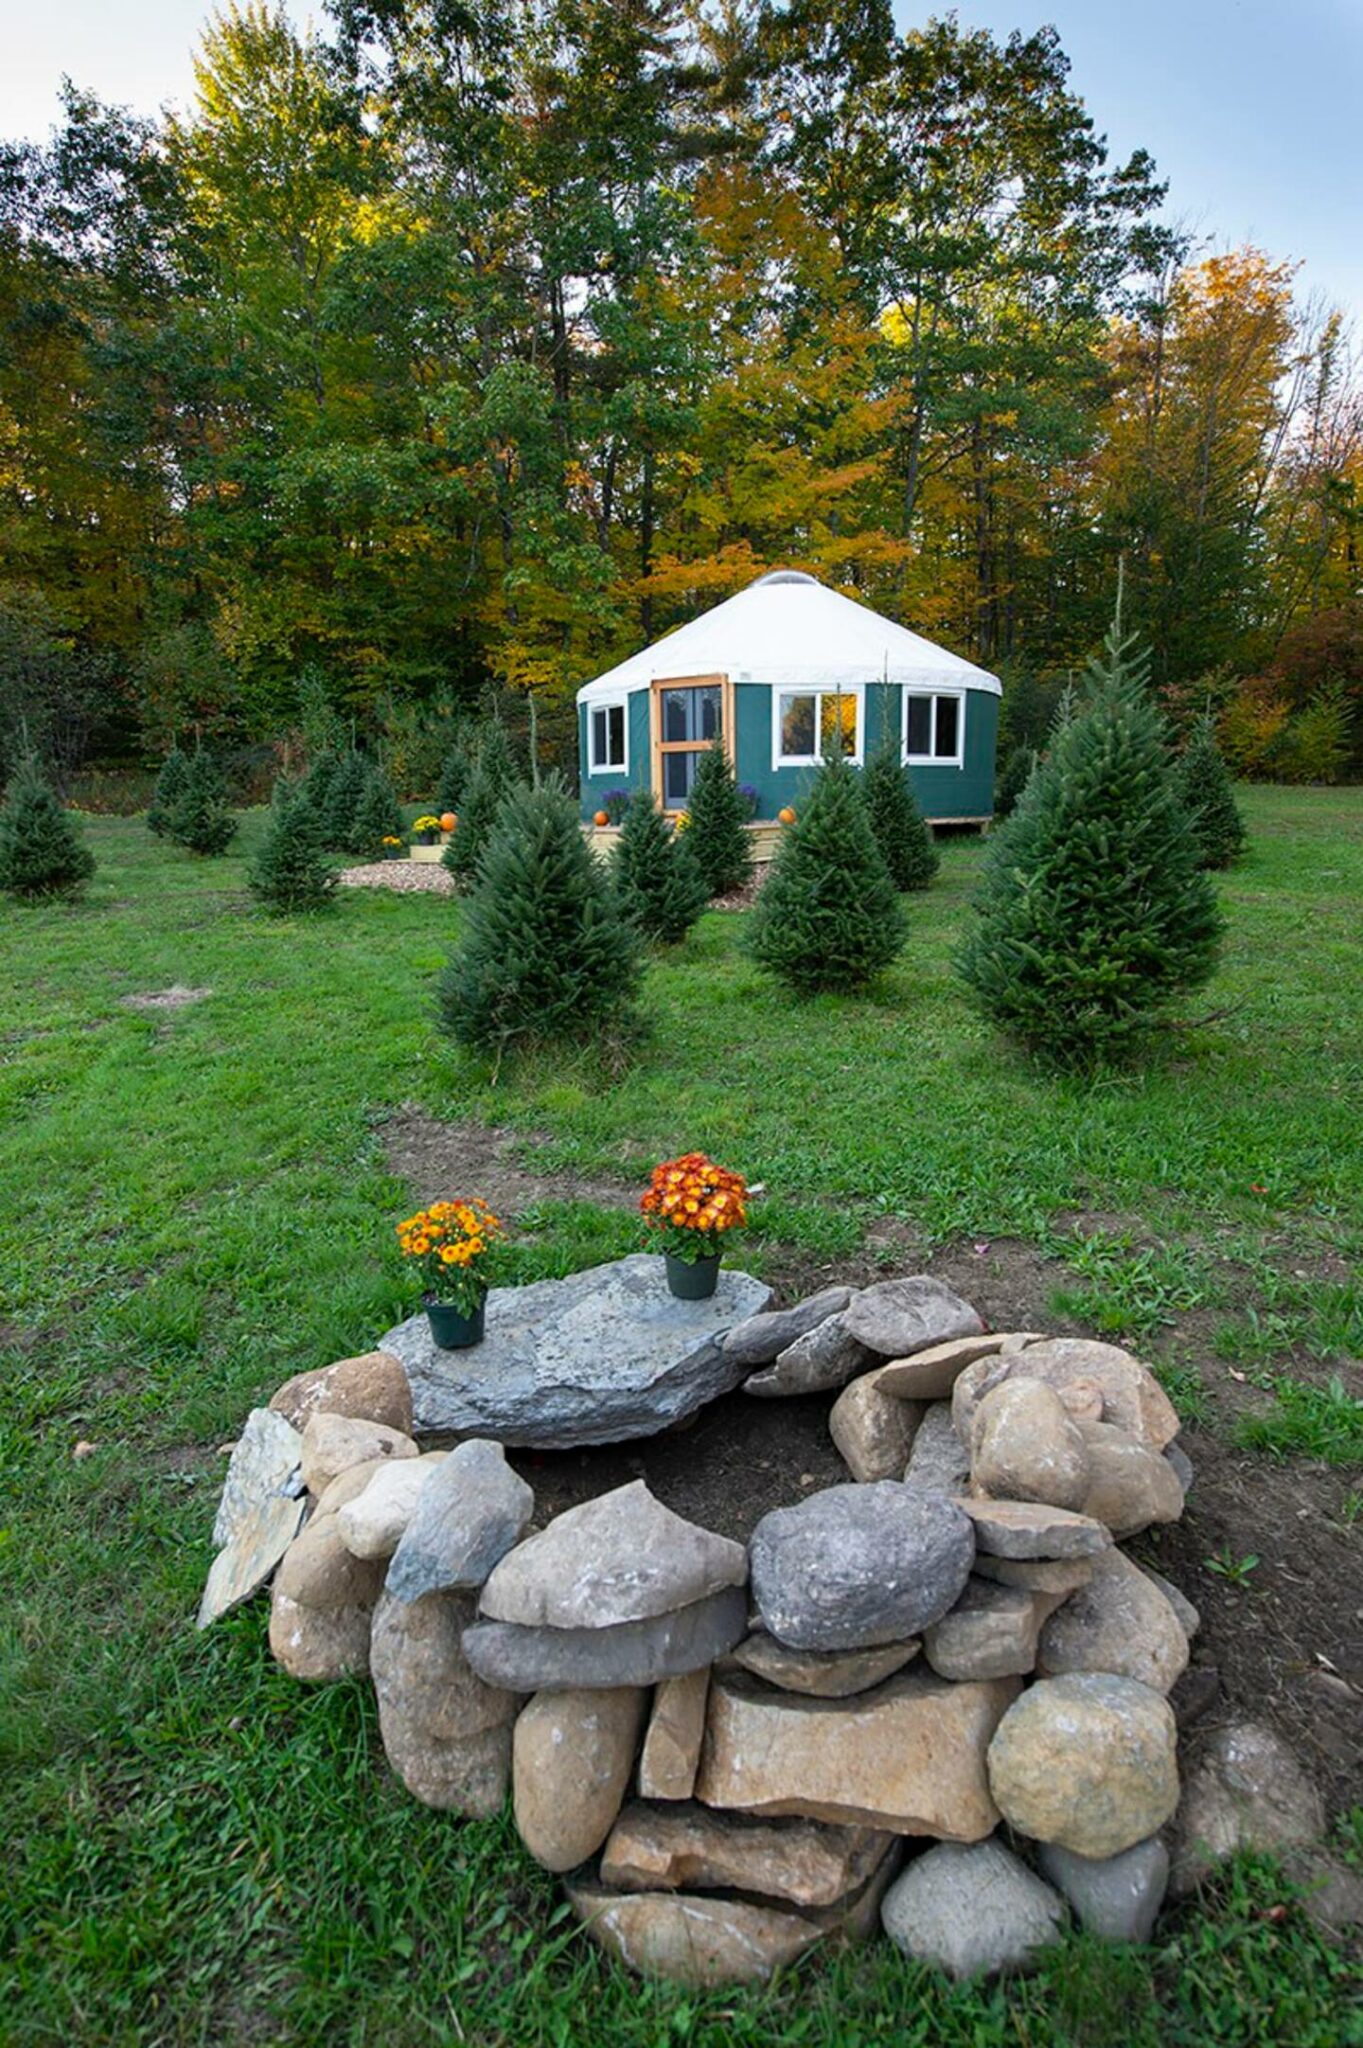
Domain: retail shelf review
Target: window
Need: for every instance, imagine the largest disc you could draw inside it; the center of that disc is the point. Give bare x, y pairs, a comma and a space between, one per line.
688, 718
934, 728
606, 753
812, 723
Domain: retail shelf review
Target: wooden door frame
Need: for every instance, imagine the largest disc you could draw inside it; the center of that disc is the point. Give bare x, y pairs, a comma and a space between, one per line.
658, 746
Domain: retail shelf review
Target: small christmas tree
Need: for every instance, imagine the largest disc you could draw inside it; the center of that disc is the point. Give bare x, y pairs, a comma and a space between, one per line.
169, 786
828, 916
902, 832
657, 882
1093, 912
716, 831
318, 787
455, 772
1204, 784
349, 783
41, 850
1012, 779
493, 777
545, 954
291, 870
200, 818
377, 816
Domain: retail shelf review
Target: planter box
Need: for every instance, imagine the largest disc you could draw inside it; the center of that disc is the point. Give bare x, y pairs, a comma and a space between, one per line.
429, 853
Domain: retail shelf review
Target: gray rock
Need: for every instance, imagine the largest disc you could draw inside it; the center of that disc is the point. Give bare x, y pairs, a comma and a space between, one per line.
1182, 1464
259, 1512
601, 1356
472, 1510
898, 1317
991, 1632
1117, 1897
622, 1557
447, 1735
1056, 1575
1119, 1621
762, 1338
1246, 1791
630, 1653
939, 1461
1189, 1620
971, 1910
820, 1674
827, 1357
858, 1565
1024, 1528
930, 1375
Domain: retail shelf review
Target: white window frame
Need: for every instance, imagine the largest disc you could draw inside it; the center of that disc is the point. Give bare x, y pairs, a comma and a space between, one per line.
595, 767
930, 760
816, 690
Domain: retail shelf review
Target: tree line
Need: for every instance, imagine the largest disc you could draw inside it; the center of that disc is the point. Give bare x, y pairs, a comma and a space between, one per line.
458, 346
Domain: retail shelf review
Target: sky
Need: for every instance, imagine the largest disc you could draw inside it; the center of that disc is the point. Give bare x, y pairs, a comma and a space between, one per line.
1253, 109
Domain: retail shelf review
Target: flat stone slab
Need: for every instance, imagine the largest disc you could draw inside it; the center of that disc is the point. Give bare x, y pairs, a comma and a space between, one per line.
601, 1356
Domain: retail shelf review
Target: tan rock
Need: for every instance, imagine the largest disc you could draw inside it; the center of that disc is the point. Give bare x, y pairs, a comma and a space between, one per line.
991, 1632
823, 1674
317, 1570
332, 1443
1088, 1761
908, 1757
1083, 1399
930, 1375
1030, 1529
1133, 1398
704, 1944
1130, 1486
1056, 1575
676, 1729
571, 1758
688, 1848
320, 1644
375, 1521
873, 1433
348, 1485
1024, 1445
445, 1733
1118, 1622
370, 1388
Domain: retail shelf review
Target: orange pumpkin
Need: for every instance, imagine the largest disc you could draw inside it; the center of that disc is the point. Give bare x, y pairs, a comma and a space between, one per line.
601, 818
448, 821
786, 815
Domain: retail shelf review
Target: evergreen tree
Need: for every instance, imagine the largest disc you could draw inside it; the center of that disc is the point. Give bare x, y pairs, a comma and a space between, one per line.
291, 870
493, 776
717, 819
377, 815
1012, 779
318, 787
657, 883
902, 832
455, 771
169, 786
200, 818
1204, 784
828, 916
1093, 912
349, 783
41, 849
546, 954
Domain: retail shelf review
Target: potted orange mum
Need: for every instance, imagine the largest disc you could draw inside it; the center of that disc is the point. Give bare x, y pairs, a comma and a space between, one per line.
689, 1204
453, 1245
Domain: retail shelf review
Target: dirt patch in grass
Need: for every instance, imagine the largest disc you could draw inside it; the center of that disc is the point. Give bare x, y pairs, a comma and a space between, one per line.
439, 1159
176, 997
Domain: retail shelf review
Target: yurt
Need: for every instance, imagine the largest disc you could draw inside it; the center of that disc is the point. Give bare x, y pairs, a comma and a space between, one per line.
777, 672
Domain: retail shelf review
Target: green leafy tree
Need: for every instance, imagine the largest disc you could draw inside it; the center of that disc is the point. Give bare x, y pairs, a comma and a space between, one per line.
493, 777
291, 870
170, 784
546, 954
1204, 784
41, 850
201, 818
902, 832
1094, 912
716, 831
657, 883
377, 816
828, 916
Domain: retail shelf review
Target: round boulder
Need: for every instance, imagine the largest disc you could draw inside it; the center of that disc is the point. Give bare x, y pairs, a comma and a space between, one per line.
1025, 1445
858, 1565
1087, 1761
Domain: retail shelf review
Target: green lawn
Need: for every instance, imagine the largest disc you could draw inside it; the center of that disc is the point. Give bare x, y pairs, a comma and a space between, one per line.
195, 1205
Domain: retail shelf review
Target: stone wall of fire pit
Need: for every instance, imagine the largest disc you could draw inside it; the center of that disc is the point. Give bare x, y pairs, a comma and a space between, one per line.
931, 1701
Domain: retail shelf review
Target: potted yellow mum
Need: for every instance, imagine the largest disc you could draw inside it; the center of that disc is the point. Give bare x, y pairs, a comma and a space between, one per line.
453, 1245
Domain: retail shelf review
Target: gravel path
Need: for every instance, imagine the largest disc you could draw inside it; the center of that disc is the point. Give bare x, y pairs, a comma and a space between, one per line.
411, 877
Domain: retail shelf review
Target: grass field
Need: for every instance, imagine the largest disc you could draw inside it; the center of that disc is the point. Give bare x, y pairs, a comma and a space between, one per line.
196, 1204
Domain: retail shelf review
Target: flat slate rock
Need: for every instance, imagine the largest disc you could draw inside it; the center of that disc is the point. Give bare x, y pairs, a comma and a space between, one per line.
631, 1653
604, 1355
259, 1513
856, 1566
898, 1317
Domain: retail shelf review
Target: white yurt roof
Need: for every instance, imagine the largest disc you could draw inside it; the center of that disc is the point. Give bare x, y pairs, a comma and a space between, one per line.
789, 629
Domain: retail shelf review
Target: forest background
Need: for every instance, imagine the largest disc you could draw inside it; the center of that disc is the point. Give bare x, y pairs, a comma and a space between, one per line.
444, 354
